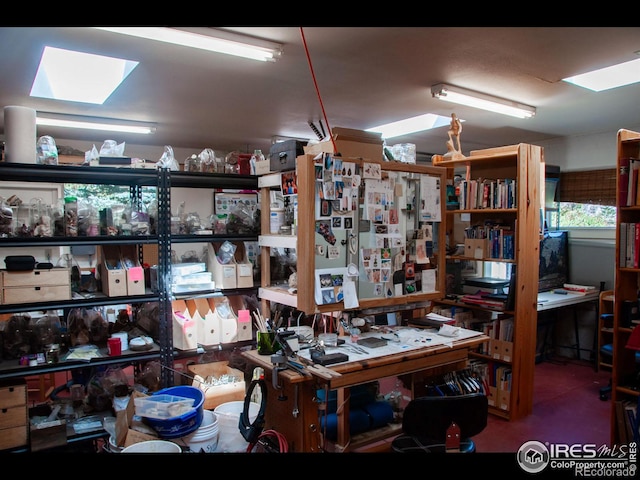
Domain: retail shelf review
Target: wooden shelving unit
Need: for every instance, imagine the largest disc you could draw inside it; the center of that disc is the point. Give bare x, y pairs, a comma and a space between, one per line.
605, 329
523, 163
624, 378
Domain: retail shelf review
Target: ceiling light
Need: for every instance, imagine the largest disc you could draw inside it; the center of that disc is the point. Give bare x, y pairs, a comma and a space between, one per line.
411, 125
69, 121
210, 39
78, 76
481, 100
609, 77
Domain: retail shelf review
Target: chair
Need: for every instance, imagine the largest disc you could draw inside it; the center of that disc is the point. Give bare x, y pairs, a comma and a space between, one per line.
442, 424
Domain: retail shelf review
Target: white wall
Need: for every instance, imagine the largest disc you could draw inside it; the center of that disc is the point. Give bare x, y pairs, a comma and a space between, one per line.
583, 152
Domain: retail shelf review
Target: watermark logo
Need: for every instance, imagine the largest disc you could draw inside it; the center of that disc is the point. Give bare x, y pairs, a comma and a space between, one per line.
533, 457
584, 460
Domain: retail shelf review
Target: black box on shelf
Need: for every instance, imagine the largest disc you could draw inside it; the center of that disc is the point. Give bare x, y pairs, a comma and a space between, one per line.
282, 155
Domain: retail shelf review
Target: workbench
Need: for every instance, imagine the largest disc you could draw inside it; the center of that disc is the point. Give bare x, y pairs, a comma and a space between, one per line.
292, 405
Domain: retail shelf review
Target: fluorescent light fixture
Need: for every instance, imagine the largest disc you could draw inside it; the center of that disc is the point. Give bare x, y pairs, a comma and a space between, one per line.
79, 77
210, 39
68, 121
609, 77
483, 101
411, 125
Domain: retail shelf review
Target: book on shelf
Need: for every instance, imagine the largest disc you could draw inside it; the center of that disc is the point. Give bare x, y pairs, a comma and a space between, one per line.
482, 299
632, 189
575, 288
623, 183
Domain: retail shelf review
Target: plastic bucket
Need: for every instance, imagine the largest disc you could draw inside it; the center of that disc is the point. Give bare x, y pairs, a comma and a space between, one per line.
205, 438
153, 446
229, 437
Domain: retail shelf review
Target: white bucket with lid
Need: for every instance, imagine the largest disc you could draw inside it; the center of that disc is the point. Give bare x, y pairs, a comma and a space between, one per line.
229, 437
205, 438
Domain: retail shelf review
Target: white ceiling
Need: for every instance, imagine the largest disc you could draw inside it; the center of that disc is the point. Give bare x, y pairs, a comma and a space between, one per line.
366, 76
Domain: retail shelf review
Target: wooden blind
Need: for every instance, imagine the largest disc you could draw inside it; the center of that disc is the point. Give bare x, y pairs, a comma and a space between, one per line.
592, 186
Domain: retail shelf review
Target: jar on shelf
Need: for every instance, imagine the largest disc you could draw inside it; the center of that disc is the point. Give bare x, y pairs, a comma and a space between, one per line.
71, 216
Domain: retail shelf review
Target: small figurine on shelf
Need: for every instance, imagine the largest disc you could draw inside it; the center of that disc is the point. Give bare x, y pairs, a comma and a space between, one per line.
454, 150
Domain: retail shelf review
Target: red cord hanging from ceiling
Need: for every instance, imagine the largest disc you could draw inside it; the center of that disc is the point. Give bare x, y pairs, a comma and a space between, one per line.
315, 84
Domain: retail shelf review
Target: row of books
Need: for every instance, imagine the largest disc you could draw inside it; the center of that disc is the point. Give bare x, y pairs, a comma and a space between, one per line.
493, 374
629, 248
500, 239
487, 193
629, 194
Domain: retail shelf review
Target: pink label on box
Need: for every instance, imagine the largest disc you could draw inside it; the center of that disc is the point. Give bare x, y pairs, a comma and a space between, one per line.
136, 273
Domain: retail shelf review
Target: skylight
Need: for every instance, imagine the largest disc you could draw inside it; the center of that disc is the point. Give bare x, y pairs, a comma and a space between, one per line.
79, 77
609, 77
426, 121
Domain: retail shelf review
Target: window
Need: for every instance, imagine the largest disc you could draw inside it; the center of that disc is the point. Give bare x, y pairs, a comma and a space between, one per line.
586, 199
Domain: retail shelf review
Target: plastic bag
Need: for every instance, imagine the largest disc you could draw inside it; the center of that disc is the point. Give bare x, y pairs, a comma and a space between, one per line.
168, 160
226, 252
111, 148
91, 157
6, 218
87, 326
47, 152
243, 220
208, 161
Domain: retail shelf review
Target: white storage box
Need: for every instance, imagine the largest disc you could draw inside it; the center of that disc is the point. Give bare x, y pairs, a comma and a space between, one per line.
162, 406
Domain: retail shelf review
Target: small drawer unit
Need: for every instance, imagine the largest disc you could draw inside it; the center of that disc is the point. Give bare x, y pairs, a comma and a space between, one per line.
14, 415
38, 285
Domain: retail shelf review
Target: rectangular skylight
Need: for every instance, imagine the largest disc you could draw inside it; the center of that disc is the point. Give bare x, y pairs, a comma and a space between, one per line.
79, 77
426, 121
609, 77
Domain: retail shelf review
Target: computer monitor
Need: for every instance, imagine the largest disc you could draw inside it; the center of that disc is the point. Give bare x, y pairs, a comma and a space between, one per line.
554, 260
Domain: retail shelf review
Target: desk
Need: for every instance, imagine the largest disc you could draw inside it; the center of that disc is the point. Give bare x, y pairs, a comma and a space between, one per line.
554, 301
297, 391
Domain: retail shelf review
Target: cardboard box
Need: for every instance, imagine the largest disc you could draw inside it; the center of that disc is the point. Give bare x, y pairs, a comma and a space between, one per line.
113, 276
350, 143
224, 275
476, 248
48, 435
218, 394
133, 269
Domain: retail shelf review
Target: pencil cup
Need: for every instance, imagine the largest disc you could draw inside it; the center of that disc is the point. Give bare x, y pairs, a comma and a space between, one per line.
266, 343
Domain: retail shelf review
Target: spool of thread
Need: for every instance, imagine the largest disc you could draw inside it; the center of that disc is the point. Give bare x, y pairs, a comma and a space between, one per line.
20, 134
124, 339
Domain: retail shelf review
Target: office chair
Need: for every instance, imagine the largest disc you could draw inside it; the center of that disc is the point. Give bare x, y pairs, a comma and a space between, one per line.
442, 424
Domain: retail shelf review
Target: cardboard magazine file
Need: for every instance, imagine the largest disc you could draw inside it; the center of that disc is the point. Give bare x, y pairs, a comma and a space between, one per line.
207, 323
135, 272
184, 327
227, 319
112, 273
245, 326
224, 275
244, 268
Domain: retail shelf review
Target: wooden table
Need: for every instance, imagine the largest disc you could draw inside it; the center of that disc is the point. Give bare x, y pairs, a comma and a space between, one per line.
293, 390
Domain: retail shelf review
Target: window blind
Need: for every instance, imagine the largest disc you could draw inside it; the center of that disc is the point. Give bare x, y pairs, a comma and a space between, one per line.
590, 186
